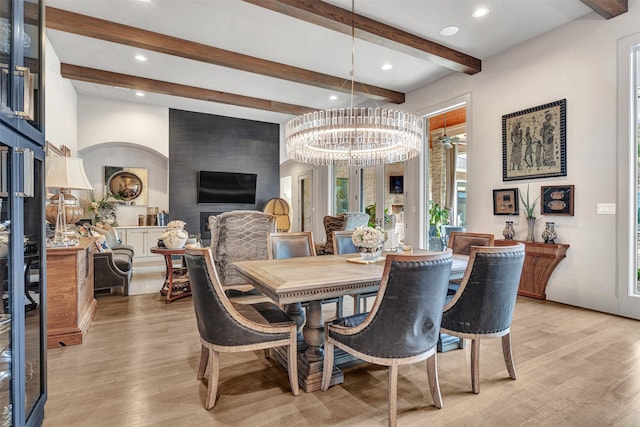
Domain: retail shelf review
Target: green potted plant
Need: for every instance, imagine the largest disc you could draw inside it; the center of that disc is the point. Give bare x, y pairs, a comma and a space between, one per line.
529, 207
437, 218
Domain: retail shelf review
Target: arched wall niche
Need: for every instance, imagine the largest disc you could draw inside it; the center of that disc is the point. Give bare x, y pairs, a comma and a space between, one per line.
128, 155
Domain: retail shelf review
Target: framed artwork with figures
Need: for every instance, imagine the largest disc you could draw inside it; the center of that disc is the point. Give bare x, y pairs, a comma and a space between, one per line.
557, 200
534, 142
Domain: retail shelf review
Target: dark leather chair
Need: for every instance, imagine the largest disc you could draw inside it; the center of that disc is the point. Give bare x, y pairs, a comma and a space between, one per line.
299, 244
403, 324
460, 243
342, 244
483, 305
112, 268
226, 327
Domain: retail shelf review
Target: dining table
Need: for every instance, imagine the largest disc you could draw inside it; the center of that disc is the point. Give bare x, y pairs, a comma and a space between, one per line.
294, 281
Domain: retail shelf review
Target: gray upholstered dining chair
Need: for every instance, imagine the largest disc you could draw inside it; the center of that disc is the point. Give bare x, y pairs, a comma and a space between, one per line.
402, 327
342, 244
483, 305
298, 244
226, 327
239, 236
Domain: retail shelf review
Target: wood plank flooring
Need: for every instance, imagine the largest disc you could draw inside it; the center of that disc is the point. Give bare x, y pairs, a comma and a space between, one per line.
138, 366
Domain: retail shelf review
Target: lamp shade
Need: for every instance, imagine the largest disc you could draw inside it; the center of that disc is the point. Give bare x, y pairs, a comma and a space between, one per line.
66, 172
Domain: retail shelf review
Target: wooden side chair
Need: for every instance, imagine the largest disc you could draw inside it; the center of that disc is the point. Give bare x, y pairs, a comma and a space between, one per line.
298, 244
402, 326
483, 305
460, 242
226, 327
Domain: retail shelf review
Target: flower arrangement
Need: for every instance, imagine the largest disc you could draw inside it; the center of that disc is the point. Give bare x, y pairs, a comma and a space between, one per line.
175, 230
367, 237
108, 203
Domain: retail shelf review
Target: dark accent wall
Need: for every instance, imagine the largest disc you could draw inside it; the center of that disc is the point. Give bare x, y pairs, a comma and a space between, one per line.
208, 142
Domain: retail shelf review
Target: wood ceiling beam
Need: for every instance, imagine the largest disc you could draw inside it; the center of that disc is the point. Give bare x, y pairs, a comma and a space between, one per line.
92, 75
70, 22
608, 8
338, 19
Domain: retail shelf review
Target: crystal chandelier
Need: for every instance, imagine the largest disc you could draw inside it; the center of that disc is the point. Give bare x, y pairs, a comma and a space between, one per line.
357, 136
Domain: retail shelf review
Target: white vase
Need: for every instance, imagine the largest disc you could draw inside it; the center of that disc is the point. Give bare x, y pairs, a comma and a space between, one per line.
370, 253
174, 242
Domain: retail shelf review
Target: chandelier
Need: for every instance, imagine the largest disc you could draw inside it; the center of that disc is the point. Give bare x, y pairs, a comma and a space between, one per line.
356, 136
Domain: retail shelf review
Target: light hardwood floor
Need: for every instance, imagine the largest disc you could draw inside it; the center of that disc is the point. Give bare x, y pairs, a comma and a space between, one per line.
138, 366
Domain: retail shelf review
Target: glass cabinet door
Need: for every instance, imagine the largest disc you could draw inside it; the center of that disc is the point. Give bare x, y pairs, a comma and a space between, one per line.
30, 300
6, 275
21, 104
22, 363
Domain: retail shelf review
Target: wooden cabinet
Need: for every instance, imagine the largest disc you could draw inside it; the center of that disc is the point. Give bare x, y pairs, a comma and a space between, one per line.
142, 239
539, 262
70, 301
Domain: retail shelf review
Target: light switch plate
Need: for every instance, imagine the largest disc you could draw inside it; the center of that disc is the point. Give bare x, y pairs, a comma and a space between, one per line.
606, 208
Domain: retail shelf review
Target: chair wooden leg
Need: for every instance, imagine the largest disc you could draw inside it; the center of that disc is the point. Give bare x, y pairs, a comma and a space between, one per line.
214, 374
434, 384
293, 364
475, 365
204, 358
327, 366
340, 307
392, 408
508, 357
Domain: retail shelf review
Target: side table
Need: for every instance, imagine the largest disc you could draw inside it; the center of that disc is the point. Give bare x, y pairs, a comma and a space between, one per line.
176, 280
540, 260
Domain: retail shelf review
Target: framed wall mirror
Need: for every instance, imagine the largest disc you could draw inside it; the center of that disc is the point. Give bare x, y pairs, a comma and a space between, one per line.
129, 183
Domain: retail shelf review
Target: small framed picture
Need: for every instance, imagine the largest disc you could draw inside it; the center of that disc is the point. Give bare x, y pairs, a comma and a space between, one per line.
505, 201
557, 200
396, 184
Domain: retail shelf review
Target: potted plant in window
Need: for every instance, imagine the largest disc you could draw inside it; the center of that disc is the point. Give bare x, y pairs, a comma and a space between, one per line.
437, 218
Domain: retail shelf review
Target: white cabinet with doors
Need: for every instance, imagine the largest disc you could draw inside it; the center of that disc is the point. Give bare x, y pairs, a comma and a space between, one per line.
142, 238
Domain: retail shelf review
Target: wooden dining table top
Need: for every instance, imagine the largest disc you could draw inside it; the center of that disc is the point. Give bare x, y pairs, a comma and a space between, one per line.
301, 279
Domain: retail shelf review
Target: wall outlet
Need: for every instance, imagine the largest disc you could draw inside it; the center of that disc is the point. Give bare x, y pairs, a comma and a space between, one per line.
606, 208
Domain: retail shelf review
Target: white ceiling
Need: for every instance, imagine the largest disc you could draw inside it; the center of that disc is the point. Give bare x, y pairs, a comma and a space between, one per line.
252, 30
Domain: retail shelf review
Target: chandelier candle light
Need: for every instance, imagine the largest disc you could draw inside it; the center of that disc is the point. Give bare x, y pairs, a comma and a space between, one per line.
356, 136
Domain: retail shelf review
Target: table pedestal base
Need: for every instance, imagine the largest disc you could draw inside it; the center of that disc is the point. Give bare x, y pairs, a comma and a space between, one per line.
310, 373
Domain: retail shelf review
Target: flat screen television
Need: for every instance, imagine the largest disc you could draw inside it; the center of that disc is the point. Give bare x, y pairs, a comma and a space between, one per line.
226, 187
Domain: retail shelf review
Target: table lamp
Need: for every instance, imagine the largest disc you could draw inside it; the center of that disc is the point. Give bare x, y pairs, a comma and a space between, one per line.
65, 174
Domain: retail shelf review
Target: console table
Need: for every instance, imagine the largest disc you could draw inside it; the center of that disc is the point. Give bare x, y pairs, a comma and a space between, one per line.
70, 301
539, 262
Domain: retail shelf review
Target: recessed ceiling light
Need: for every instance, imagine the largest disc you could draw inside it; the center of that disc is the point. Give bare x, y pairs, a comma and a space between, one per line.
333, 97
449, 31
141, 58
480, 12
386, 66
139, 93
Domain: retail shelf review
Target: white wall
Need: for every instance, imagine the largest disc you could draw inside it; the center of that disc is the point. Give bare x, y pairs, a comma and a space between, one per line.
577, 62
105, 120
61, 108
